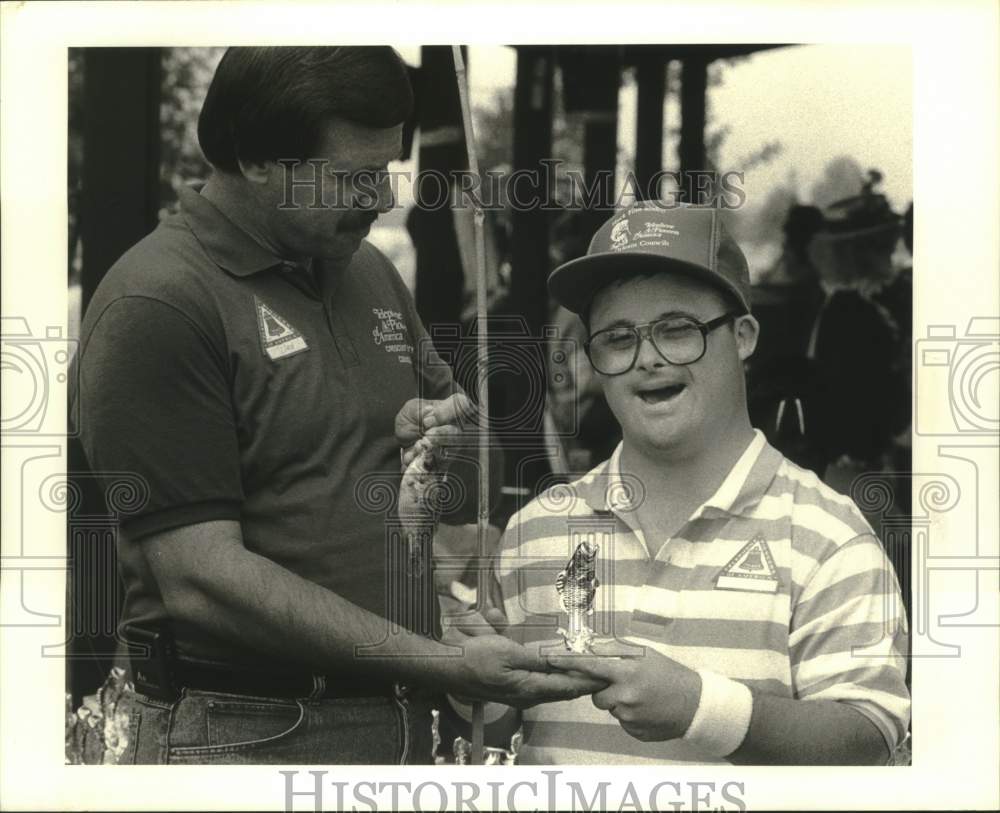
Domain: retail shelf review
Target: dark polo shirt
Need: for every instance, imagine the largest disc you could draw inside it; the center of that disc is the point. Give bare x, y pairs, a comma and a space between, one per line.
242, 388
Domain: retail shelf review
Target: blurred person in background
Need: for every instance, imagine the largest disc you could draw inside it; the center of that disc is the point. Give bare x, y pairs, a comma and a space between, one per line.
861, 394
781, 376
830, 382
580, 427
897, 299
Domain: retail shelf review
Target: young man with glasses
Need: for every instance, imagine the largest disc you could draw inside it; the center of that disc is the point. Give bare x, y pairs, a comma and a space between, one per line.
754, 614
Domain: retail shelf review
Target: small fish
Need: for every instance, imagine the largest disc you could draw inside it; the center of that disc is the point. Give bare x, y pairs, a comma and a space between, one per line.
576, 585
418, 477
416, 509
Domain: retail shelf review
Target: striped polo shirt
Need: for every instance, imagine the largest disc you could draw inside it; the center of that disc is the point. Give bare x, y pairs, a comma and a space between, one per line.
776, 581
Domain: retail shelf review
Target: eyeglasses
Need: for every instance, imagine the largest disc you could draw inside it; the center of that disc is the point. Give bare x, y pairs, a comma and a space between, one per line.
678, 341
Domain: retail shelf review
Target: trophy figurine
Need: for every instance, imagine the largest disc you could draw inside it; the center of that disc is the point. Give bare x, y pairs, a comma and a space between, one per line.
576, 585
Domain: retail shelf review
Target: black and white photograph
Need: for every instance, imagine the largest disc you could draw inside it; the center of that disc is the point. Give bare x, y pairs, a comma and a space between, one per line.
454, 424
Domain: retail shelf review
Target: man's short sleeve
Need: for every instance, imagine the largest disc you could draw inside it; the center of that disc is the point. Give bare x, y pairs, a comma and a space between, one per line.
848, 638
434, 375
154, 400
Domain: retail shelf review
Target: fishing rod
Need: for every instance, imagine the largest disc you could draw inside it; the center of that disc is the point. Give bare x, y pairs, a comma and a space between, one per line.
483, 523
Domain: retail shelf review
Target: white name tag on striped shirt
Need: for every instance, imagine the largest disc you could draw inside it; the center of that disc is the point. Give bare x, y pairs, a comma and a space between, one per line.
751, 570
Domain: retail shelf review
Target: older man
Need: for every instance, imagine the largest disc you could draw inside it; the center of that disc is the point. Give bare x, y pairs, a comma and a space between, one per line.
756, 616
255, 361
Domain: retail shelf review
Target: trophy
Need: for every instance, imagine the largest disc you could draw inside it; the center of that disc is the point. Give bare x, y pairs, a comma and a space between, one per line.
576, 585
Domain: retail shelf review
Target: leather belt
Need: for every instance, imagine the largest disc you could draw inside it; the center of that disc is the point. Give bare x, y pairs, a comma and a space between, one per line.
191, 675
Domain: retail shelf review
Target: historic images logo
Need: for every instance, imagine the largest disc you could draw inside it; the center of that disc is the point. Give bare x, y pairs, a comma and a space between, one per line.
390, 334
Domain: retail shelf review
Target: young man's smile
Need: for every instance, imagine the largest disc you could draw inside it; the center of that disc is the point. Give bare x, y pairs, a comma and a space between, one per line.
660, 394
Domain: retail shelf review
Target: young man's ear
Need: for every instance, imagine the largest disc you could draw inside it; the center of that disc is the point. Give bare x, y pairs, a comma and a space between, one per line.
747, 329
255, 171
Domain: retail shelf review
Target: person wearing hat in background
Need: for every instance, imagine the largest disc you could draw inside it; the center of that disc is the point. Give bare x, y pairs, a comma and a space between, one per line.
780, 376
897, 299
860, 399
757, 616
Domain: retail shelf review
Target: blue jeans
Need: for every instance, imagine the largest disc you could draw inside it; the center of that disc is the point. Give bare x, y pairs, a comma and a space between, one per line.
214, 728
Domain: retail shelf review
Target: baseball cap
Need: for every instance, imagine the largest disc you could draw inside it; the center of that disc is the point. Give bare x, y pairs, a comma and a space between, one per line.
652, 236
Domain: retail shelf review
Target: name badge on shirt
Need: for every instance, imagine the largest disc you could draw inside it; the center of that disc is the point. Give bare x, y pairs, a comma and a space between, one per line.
752, 569
278, 338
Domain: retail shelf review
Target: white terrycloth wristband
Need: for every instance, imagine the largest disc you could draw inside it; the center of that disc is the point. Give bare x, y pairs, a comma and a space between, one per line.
722, 718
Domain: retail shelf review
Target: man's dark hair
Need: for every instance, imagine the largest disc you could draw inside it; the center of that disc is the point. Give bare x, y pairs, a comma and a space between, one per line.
270, 103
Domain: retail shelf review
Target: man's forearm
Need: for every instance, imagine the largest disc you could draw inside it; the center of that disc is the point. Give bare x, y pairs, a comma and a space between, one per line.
240, 596
208, 579
785, 731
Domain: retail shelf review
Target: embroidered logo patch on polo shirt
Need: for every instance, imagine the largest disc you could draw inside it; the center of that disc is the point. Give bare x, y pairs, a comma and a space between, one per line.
751, 569
278, 338
390, 333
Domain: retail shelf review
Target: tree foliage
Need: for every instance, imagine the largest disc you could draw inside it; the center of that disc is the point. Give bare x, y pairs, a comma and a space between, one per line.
186, 75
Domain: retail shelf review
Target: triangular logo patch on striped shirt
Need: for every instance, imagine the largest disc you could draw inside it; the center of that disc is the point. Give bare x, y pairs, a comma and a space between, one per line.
751, 569
278, 338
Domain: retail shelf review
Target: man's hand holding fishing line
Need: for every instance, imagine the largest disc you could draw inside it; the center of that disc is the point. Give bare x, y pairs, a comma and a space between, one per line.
422, 423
